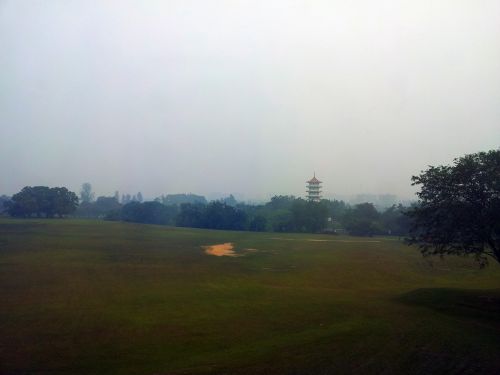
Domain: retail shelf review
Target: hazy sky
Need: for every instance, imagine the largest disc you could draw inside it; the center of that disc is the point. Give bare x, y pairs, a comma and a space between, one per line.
248, 97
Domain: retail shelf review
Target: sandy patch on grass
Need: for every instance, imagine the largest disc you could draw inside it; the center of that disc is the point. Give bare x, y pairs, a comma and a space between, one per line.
223, 249
227, 249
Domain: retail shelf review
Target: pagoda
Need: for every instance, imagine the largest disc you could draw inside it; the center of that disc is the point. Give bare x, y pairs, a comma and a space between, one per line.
314, 189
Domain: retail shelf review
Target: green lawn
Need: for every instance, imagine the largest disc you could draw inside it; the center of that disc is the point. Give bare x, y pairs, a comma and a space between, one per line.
88, 297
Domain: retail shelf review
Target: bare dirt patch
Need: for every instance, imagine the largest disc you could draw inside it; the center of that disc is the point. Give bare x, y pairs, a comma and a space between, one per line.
227, 249
223, 249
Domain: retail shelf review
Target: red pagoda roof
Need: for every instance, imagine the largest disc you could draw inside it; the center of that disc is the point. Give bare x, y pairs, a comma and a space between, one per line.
314, 180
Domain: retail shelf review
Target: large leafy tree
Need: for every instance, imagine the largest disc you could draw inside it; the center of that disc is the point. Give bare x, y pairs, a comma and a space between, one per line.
459, 208
309, 216
62, 201
147, 212
395, 221
362, 220
42, 201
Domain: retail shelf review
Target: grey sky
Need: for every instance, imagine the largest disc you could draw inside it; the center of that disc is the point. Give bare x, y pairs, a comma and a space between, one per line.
247, 97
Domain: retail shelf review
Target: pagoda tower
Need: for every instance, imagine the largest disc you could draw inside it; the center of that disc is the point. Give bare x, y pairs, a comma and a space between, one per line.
314, 189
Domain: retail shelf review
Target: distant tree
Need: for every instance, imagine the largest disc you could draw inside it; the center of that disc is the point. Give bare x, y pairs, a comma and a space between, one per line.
100, 208
139, 197
117, 196
42, 202
86, 194
281, 220
147, 212
114, 215
191, 215
362, 220
132, 212
258, 224
458, 211
317, 213
219, 215
336, 209
3, 203
63, 201
103, 205
281, 202
215, 215
309, 216
23, 204
395, 221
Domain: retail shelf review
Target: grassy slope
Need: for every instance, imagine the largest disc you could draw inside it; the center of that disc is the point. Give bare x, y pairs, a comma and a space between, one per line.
82, 297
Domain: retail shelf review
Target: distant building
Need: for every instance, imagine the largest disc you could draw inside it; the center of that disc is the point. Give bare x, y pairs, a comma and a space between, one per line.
314, 189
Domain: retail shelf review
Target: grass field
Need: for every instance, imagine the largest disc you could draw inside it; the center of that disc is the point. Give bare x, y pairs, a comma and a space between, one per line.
88, 297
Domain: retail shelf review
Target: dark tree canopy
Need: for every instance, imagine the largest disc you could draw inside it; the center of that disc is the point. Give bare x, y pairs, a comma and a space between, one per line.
281, 202
4, 203
42, 201
309, 216
395, 221
362, 220
215, 215
99, 208
280, 214
459, 208
258, 224
147, 212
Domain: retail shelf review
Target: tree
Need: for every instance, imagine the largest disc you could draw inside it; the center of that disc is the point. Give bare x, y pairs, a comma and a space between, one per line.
258, 224
215, 215
459, 208
395, 221
281, 220
219, 215
362, 220
4, 203
281, 202
100, 208
191, 215
147, 212
86, 194
22, 204
63, 201
309, 216
336, 208
42, 202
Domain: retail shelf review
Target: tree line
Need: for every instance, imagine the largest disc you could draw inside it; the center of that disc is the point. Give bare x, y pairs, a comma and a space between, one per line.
280, 214
458, 210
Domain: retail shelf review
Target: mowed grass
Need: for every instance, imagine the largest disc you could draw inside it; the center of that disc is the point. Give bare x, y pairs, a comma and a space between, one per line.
89, 297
